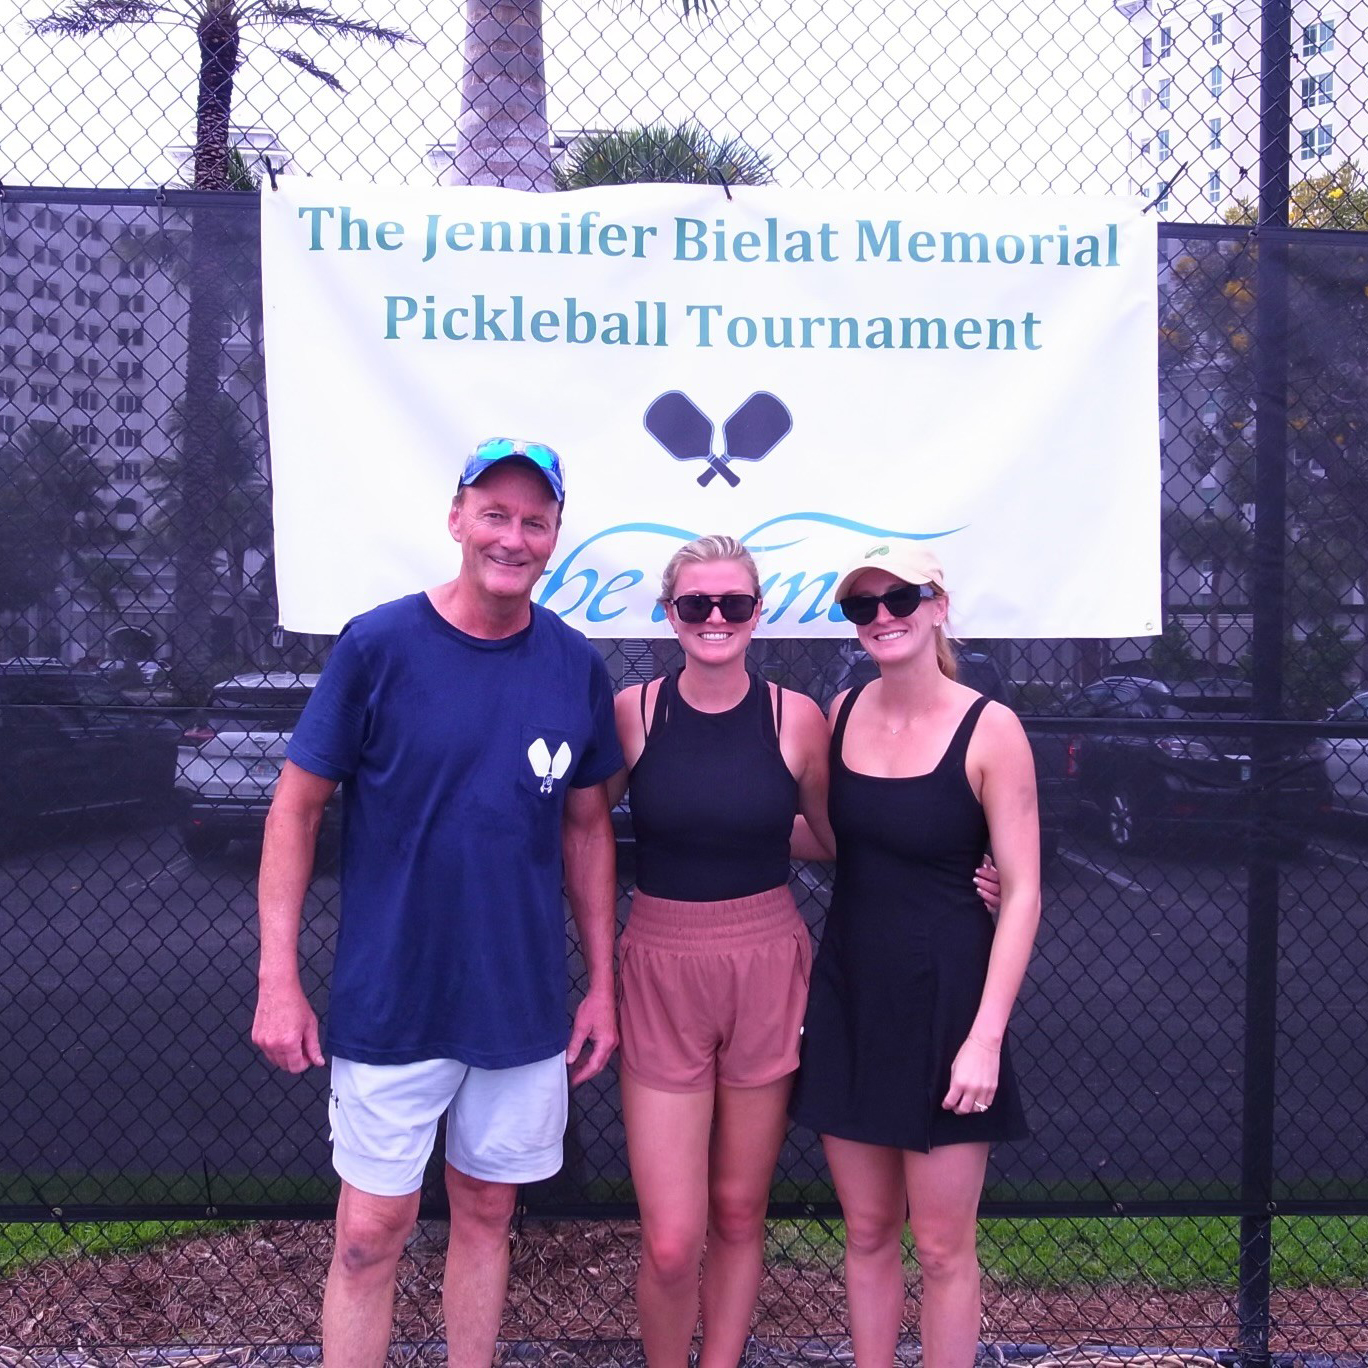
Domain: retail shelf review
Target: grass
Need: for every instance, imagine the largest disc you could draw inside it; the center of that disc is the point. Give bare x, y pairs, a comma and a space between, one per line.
1173, 1253
22, 1244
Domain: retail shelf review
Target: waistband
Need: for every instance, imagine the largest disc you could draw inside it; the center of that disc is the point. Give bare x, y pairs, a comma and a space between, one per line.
701, 927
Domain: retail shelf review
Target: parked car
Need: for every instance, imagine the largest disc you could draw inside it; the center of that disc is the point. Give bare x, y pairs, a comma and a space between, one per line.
229, 761
69, 743
1347, 763
1139, 782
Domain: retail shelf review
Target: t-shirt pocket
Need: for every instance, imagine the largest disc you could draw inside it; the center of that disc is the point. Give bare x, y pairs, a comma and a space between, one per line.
546, 761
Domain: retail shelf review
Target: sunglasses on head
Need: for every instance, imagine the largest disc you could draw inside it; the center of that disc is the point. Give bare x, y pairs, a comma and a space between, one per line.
696, 608
496, 448
862, 609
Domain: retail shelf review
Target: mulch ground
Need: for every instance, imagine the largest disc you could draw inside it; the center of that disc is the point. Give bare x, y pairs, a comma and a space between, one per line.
570, 1300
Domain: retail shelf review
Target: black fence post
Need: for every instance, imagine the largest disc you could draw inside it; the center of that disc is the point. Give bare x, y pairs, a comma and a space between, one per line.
1270, 627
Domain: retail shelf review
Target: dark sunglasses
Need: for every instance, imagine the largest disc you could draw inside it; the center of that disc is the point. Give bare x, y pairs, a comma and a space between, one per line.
862, 609
696, 608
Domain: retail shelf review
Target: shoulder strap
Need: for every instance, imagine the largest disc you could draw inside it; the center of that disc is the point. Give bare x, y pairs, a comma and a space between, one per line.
647, 727
842, 717
959, 743
778, 709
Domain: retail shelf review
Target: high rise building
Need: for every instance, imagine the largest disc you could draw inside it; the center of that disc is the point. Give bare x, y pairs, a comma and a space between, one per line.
1194, 140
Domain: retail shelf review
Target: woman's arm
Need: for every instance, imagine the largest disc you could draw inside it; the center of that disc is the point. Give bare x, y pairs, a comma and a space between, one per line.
804, 742
1001, 754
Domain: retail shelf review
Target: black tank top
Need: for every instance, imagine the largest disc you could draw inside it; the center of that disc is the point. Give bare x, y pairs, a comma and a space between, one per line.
712, 800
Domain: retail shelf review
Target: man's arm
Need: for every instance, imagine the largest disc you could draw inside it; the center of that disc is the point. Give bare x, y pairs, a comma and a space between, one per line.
286, 1028
591, 886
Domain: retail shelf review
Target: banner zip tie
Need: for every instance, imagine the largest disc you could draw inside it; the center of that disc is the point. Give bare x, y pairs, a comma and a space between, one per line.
271, 171
723, 182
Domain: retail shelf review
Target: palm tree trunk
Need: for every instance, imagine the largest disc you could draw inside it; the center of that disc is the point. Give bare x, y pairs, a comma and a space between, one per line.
218, 49
503, 138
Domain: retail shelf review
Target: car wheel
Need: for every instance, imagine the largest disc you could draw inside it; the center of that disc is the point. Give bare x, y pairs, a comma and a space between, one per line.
202, 841
1125, 831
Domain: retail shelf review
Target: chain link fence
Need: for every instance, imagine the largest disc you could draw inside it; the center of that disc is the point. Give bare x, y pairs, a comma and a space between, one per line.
1191, 1036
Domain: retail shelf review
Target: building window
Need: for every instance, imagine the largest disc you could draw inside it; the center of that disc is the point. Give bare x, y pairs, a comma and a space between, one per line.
87, 400
10, 280
9, 424
45, 289
1165, 93
1217, 30
8, 388
127, 470
11, 354
1317, 142
89, 263
87, 332
41, 394
1318, 37
1215, 126
85, 434
88, 298
44, 360
43, 324
1146, 52
1216, 80
128, 370
135, 303
46, 256
126, 437
47, 220
128, 403
9, 318
132, 270
1214, 187
1161, 202
1318, 90
87, 366
1165, 42
1164, 152
89, 228
130, 337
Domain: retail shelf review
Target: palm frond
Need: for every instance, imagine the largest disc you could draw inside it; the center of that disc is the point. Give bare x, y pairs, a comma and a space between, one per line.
85, 17
685, 152
318, 19
306, 64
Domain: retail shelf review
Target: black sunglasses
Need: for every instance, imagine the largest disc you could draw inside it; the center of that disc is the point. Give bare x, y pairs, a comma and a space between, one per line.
696, 608
862, 609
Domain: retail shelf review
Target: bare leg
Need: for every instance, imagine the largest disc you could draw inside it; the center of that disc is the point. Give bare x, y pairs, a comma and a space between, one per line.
747, 1132
944, 1189
873, 1194
358, 1302
667, 1145
476, 1279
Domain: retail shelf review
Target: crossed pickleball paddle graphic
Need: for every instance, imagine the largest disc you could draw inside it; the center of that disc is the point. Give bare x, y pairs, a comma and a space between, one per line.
750, 434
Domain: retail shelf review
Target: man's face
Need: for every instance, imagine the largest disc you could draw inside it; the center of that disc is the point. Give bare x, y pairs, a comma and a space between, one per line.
507, 523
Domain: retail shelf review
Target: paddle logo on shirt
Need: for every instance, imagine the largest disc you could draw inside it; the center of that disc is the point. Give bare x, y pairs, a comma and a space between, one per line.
547, 767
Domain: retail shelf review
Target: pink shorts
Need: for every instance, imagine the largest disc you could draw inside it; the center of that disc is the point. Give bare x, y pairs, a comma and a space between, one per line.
712, 992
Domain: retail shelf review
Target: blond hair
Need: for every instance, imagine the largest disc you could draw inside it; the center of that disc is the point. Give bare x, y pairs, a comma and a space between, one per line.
701, 549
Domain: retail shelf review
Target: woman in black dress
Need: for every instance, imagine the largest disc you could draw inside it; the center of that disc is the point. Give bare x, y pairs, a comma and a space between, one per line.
905, 1069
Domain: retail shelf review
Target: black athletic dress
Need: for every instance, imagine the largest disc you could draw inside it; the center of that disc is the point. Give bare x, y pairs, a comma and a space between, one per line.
901, 967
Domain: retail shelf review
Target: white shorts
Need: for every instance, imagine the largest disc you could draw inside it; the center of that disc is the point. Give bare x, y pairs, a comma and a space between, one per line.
503, 1125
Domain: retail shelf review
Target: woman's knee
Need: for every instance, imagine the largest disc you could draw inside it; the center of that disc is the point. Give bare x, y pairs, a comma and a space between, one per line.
871, 1233
737, 1217
672, 1254
945, 1249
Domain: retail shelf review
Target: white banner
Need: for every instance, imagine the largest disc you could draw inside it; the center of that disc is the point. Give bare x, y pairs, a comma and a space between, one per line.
804, 370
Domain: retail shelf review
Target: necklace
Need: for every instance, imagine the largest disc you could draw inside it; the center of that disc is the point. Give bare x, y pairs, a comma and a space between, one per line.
911, 718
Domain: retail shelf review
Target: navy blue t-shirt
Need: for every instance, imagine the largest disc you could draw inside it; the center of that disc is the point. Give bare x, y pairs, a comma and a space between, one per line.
455, 753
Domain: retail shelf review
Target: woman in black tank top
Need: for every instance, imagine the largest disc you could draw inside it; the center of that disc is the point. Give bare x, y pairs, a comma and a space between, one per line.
906, 1072
714, 962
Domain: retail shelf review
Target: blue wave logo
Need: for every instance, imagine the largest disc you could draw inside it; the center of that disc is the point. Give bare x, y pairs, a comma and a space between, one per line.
574, 585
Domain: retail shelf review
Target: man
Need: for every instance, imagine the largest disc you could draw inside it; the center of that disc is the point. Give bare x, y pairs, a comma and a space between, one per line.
474, 732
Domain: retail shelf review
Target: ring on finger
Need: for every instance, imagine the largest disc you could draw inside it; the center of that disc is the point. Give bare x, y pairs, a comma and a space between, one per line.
980, 1106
